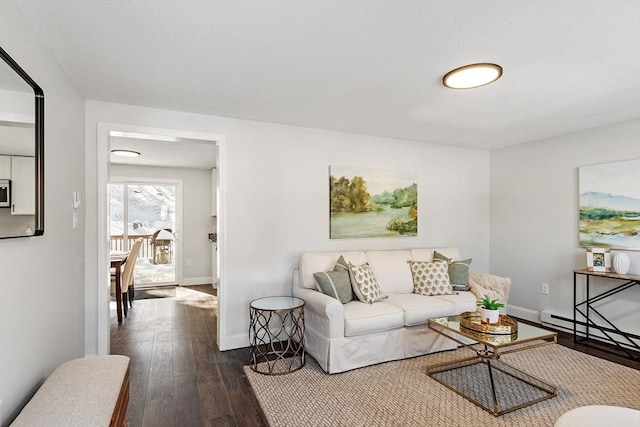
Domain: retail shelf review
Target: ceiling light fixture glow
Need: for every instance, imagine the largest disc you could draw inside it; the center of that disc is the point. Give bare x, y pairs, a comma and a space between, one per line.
472, 75
125, 153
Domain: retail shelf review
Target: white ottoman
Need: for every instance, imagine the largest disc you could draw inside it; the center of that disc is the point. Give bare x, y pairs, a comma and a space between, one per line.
599, 416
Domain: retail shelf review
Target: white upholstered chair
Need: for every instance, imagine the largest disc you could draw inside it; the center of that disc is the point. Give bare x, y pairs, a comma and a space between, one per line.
126, 282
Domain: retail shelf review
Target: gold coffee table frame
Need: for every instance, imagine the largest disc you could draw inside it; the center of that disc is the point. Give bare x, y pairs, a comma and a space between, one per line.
488, 349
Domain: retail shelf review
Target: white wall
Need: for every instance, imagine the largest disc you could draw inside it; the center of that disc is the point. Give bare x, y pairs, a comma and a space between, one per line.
41, 285
197, 219
534, 219
274, 198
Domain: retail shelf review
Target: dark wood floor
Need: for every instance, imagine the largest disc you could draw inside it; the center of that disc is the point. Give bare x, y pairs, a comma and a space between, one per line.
178, 376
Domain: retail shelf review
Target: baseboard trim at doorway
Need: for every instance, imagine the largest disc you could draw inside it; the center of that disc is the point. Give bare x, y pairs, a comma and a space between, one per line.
196, 281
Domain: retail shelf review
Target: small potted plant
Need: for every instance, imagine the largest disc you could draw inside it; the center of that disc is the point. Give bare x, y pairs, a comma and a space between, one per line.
489, 309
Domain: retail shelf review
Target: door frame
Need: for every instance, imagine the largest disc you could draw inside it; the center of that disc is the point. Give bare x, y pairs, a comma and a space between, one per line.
177, 232
102, 280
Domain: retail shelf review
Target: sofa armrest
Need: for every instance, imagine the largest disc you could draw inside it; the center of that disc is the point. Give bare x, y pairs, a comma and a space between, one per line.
323, 314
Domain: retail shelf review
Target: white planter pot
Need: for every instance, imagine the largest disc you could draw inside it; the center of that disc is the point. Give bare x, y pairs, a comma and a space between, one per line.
621, 263
489, 316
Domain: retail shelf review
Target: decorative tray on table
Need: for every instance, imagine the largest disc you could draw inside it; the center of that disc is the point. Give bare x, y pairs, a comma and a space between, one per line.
505, 326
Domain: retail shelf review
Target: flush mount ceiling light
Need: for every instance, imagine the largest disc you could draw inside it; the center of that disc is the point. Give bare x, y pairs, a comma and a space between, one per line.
125, 153
471, 76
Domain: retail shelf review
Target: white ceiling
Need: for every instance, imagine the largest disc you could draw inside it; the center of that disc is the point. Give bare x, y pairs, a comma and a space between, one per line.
177, 153
358, 66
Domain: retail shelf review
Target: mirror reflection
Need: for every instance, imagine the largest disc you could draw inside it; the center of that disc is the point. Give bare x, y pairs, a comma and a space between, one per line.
20, 152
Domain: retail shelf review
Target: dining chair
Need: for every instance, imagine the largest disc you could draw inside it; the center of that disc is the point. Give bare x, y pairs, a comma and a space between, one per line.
126, 283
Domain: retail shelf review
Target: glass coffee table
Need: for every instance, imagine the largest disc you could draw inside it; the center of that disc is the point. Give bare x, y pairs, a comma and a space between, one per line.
484, 379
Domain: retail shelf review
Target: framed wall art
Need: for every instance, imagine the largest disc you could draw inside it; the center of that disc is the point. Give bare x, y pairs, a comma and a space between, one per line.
372, 203
598, 259
610, 205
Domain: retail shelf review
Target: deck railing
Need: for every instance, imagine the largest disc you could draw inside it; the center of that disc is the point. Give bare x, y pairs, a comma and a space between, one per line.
117, 244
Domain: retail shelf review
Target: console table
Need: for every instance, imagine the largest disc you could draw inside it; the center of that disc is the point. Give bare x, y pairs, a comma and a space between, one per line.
586, 307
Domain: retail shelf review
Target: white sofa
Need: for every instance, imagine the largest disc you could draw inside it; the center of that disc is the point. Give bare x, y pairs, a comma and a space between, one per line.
343, 337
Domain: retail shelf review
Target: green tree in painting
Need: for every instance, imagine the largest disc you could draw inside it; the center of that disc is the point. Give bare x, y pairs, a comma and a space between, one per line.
350, 196
403, 197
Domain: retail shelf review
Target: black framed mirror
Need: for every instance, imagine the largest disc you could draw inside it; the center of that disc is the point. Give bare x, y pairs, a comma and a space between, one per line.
21, 152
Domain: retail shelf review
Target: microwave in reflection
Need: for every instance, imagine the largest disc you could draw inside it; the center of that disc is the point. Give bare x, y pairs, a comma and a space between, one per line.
5, 193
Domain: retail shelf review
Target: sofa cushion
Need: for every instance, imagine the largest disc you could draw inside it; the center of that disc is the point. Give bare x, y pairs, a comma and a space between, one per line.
419, 308
462, 301
312, 262
336, 284
391, 271
364, 283
458, 271
362, 319
430, 278
427, 254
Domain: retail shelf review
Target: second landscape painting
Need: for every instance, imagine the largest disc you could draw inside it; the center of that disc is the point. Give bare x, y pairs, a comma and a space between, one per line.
372, 202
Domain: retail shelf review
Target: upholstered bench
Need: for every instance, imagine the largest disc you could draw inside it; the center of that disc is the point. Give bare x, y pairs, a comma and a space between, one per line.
599, 416
92, 391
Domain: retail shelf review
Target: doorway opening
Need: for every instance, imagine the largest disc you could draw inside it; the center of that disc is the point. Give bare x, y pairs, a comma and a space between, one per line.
162, 150
149, 212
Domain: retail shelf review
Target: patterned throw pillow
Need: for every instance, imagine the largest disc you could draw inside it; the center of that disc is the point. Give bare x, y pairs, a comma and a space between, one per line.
364, 284
430, 278
458, 271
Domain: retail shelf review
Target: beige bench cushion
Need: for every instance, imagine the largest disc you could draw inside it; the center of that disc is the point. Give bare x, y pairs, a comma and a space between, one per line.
82, 392
599, 416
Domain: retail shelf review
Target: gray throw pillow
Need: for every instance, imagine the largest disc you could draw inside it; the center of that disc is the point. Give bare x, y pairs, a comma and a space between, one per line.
336, 284
458, 271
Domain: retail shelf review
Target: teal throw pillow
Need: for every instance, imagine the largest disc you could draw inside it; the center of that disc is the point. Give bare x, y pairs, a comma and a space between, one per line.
458, 271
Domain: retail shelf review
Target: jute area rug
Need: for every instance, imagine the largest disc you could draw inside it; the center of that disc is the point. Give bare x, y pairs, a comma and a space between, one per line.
401, 394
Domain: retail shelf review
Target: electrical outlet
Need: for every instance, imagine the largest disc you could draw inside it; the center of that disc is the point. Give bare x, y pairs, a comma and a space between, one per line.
544, 288
189, 262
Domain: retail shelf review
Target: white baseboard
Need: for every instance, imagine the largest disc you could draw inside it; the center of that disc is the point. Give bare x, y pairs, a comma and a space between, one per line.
523, 313
196, 281
236, 341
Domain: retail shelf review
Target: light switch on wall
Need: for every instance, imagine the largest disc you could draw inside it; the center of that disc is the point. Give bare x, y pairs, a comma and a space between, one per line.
76, 200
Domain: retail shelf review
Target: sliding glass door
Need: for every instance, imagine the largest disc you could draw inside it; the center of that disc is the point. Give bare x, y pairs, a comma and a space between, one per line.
146, 211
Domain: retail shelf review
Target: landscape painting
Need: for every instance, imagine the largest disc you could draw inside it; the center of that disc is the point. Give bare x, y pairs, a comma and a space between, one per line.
610, 205
372, 203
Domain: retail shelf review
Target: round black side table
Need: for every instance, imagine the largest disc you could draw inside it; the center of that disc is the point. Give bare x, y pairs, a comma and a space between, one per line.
276, 335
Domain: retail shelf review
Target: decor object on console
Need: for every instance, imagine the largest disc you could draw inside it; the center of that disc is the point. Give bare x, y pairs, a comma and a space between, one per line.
598, 259
610, 205
621, 263
341, 337
372, 203
489, 309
